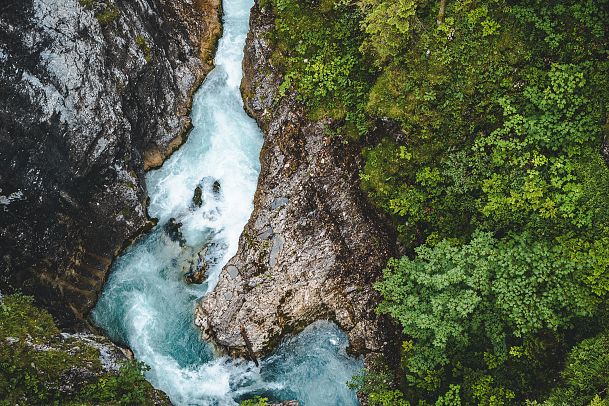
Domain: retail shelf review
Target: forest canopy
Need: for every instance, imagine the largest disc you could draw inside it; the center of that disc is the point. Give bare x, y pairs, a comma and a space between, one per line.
496, 182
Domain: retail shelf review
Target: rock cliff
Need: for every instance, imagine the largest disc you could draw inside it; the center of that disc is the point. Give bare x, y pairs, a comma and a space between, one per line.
313, 245
92, 93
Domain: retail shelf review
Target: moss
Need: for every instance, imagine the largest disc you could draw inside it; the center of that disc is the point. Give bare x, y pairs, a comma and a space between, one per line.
316, 46
108, 15
88, 4
38, 366
104, 12
144, 47
120, 87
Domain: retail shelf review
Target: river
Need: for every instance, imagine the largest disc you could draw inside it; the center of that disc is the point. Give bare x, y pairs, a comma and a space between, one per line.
146, 303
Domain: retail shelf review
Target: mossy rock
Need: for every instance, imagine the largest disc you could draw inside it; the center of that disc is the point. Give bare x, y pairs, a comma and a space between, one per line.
39, 365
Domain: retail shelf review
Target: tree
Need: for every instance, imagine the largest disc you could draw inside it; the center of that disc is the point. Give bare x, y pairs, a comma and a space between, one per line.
442, 11
586, 373
388, 25
486, 292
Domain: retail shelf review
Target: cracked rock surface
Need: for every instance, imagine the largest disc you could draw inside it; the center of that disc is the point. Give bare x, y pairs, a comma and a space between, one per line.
313, 245
92, 93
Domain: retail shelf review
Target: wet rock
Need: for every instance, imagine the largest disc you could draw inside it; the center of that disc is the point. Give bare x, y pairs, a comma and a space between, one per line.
208, 188
276, 247
233, 271
198, 271
196, 277
88, 102
111, 356
215, 252
266, 233
313, 245
172, 229
216, 188
197, 199
75, 379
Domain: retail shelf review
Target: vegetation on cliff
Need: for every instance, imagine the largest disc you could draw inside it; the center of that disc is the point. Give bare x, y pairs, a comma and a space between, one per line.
495, 181
40, 366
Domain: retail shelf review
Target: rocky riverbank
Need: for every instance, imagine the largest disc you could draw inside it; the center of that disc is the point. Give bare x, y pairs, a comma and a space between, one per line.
92, 94
313, 245
42, 366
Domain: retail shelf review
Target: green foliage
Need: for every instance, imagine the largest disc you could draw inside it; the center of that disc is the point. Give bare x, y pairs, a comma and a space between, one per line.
24, 373
143, 45
486, 393
586, 373
88, 4
510, 138
595, 256
317, 46
495, 181
105, 12
257, 401
21, 318
451, 297
109, 14
533, 160
450, 398
377, 384
129, 387
388, 25
37, 364
598, 401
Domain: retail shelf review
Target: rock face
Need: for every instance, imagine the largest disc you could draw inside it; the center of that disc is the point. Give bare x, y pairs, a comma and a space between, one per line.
92, 93
313, 245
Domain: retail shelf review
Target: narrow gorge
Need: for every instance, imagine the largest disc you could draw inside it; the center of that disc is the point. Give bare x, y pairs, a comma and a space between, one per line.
304, 203
146, 303
301, 256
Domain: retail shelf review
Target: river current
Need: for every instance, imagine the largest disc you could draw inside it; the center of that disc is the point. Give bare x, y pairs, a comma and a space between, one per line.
146, 303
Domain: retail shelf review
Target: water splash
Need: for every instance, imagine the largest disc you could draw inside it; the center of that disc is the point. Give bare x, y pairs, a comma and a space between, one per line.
147, 305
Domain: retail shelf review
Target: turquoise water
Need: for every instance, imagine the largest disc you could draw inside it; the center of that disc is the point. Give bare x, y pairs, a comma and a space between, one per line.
147, 305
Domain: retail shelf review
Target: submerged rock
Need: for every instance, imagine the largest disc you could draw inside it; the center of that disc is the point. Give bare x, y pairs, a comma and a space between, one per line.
195, 277
206, 187
216, 188
198, 271
197, 199
92, 94
172, 229
313, 245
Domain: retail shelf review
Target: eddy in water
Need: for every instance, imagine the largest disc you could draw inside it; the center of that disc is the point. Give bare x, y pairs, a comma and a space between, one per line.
202, 197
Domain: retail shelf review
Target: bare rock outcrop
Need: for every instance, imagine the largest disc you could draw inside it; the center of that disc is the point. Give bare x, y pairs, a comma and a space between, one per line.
92, 93
313, 245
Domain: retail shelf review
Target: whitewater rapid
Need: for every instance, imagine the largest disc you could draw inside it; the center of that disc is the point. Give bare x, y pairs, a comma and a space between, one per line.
146, 303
